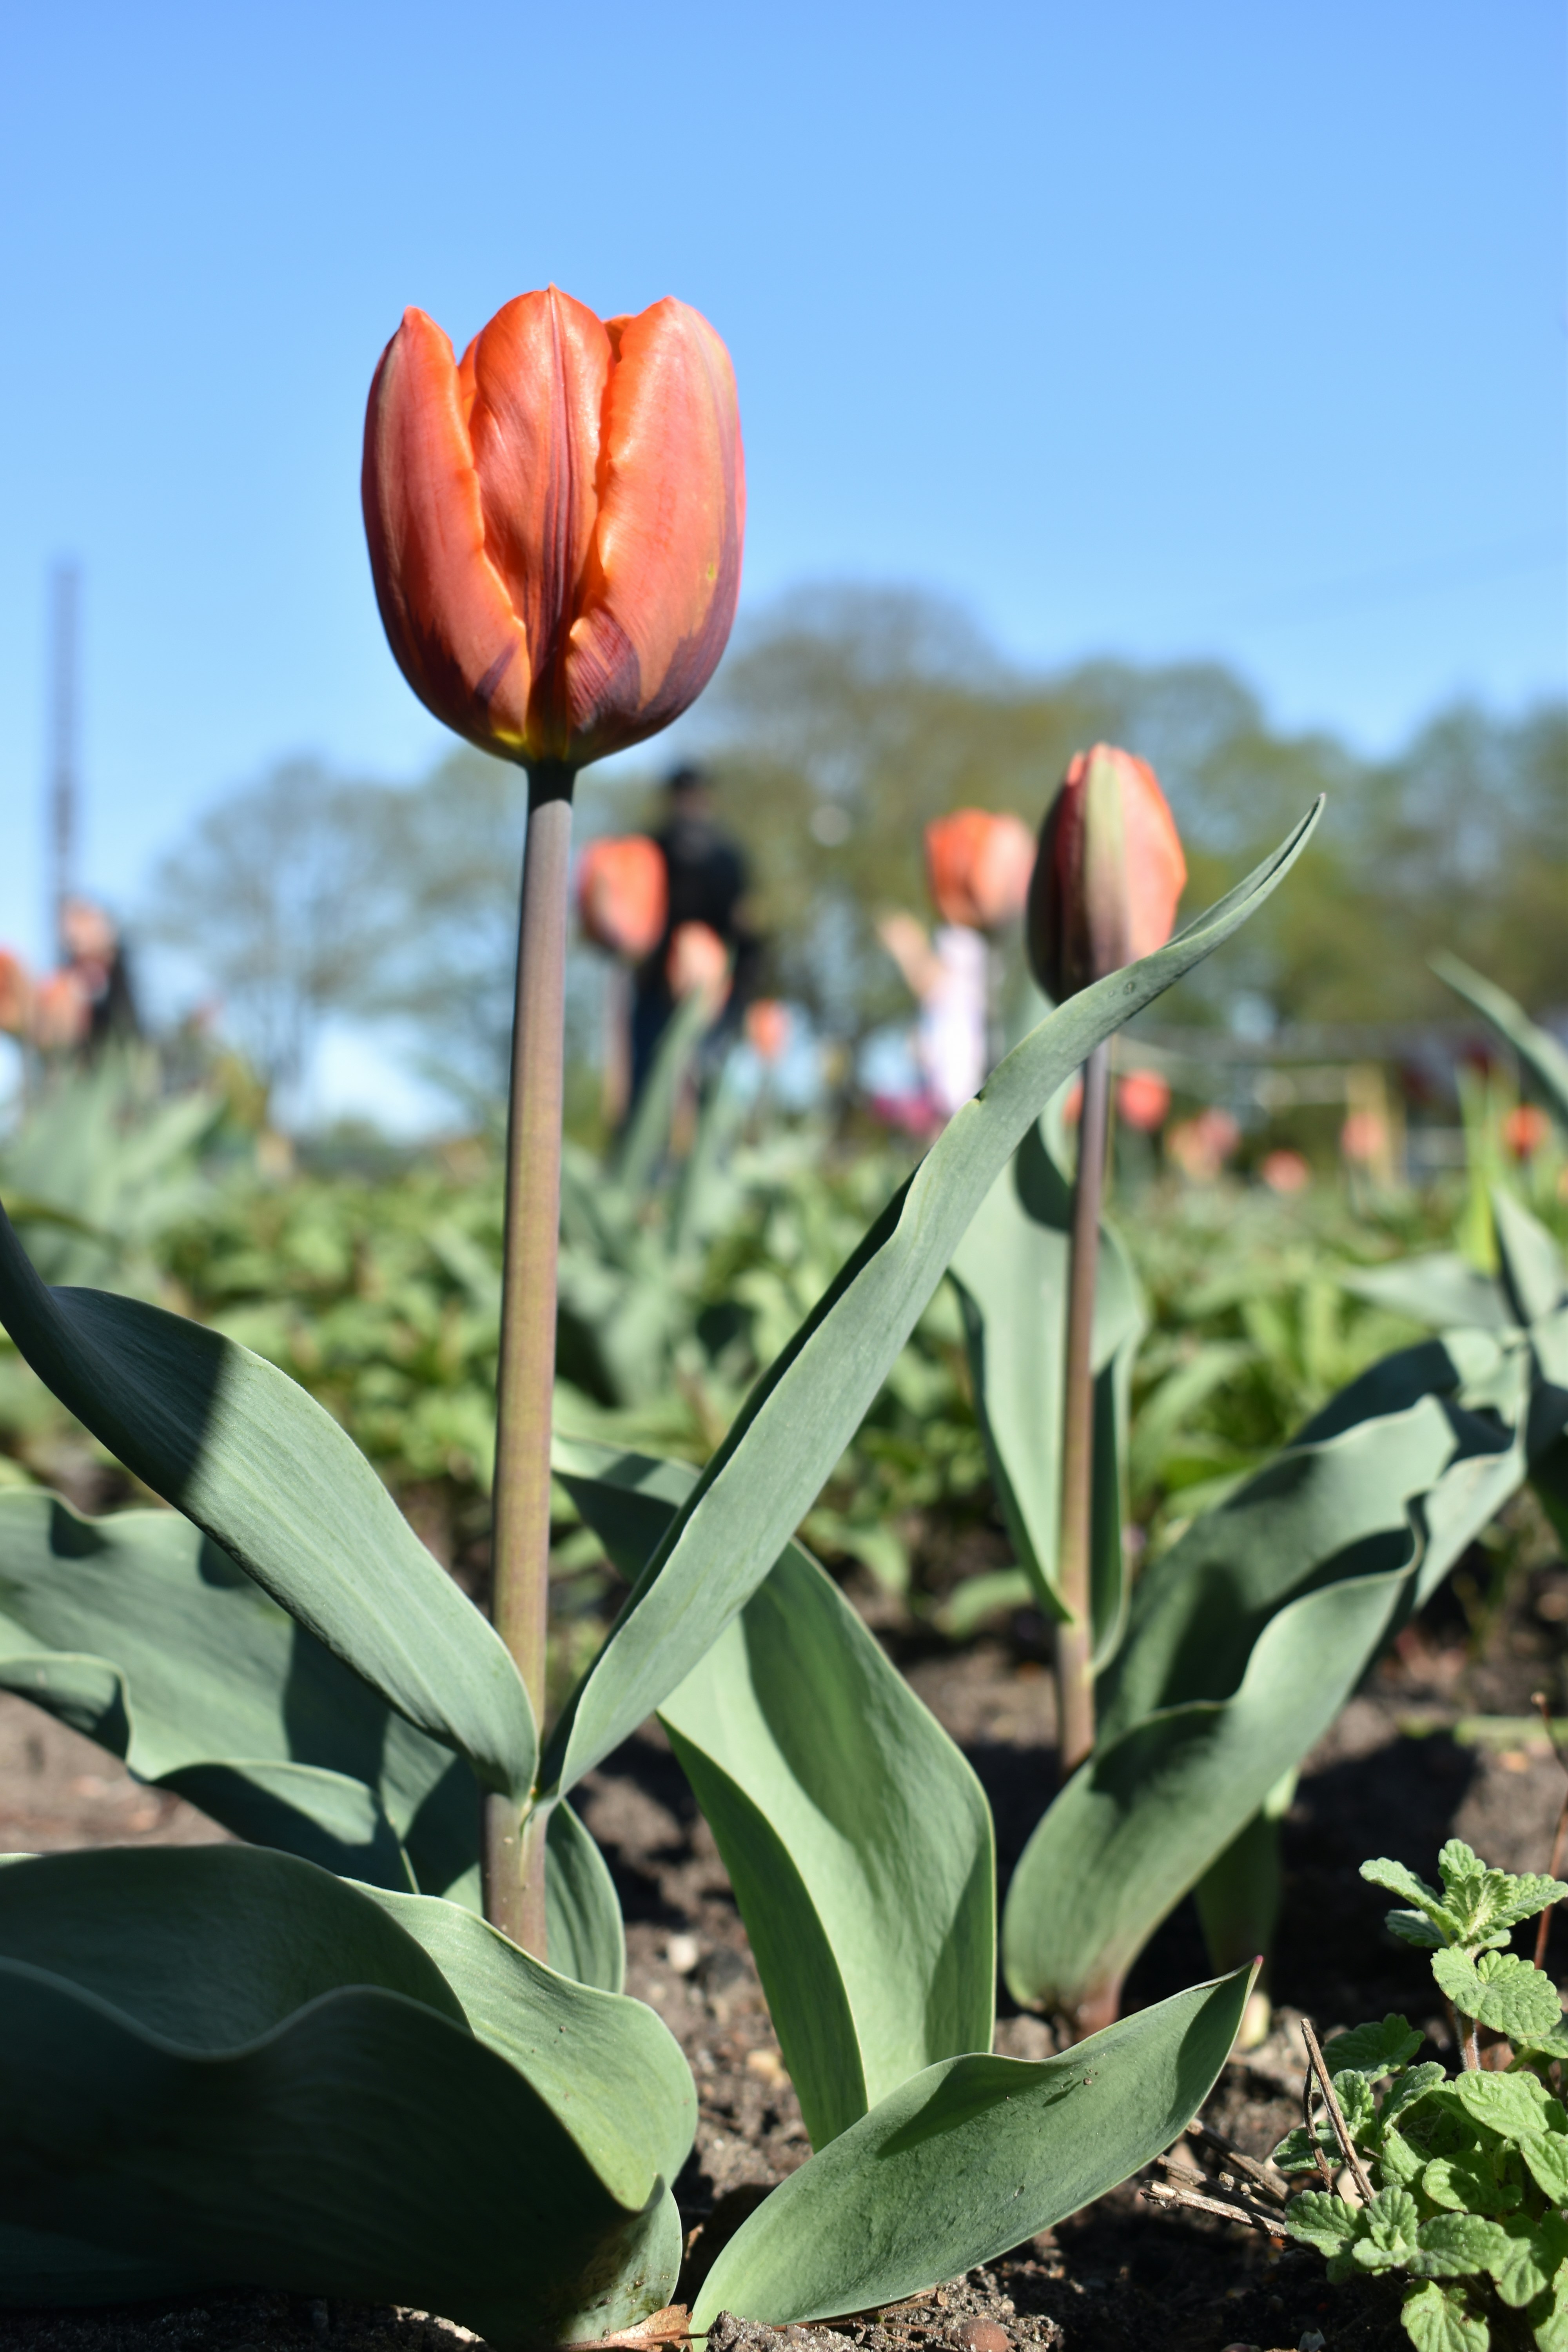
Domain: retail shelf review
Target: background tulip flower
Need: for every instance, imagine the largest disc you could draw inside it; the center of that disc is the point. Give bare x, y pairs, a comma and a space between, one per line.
768, 1027
554, 527
555, 522
1105, 890
1143, 1100
1110, 874
15, 995
622, 895
978, 865
698, 963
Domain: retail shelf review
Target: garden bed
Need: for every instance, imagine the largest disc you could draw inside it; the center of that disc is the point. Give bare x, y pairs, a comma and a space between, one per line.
1392, 1777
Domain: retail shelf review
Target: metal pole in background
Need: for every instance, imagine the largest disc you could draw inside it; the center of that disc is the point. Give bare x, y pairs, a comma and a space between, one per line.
65, 615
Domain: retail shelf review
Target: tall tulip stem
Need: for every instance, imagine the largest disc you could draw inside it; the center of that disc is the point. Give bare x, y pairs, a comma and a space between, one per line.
513, 1851
1074, 1640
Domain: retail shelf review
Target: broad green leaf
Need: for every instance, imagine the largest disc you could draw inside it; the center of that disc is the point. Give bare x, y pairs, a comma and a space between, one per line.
803, 1411
1373, 2050
1010, 1273
1468, 2184
1530, 1269
205, 1685
1385, 2239
1441, 1289
969, 2158
856, 1838
1546, 2154
1512, 2104
1516, 2000
1321, 2220
1246, 1638
223, 2064
257, 1464
1536, 1047
1437, 2319
1411, 2087
1529, 2257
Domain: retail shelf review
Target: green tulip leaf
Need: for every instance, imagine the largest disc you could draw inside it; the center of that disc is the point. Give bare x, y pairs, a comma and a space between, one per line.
969, 2158
858, 1840
803, 1411
1536, 1047
1010, 1273
223, 2064
1245, 1640
141, 1633
263, 1469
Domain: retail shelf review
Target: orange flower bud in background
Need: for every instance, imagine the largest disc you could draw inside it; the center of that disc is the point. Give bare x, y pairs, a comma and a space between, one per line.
698, 959
1143, 1100
622, 895
768, 1026
1110, 874
1526, 1129
555, 523
978, 867
1363, 1137
1200, 1147
61, 1012
1284, 1172
15, 995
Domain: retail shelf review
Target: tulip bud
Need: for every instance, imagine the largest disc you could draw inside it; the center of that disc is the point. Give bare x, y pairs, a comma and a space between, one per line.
698, 962
1110, 874
768, 1026
1143, 1100
555, 524
622, 895
978, 867
15, 995
1526, 1129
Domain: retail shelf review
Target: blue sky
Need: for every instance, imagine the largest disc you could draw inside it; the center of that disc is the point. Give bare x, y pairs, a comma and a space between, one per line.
1150, 330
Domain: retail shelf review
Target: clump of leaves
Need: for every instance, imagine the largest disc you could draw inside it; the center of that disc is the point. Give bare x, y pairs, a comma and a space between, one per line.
1460, 2182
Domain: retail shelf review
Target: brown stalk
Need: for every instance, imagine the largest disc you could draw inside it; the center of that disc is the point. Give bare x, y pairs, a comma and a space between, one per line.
1347, 2146
1165, 2192
1074, 1639
513, 1846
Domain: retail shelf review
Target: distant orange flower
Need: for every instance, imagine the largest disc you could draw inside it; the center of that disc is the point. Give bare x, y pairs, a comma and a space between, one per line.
1526, 1129
1284, 1172
978, 865
768, 1026
1143, 1100
62, 1014
1200, 1147
555, 522
1109, 874
697, 960
15, 995
1363, 1138
622, 895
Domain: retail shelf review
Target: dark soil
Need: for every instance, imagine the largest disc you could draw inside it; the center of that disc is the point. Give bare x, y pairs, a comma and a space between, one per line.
1392, 1777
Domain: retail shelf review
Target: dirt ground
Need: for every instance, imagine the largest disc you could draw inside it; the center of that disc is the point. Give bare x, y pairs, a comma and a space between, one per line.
1392, 1777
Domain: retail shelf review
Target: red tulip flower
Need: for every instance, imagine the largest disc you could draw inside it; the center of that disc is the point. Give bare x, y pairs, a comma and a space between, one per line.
699, 964
978, 867
1143, 1100
622, 895
1526, 1129
15, 995
1110, 874
768, 1028
555, 521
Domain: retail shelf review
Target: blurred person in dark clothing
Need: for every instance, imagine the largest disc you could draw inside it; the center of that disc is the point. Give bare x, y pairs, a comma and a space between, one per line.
94, 953
707, 884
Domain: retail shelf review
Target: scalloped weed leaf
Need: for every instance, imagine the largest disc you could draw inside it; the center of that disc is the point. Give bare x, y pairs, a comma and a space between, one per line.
1478, 1908
805, 1409
971, 2158
266, 2076
1436, 2320
266, 1471
1501, 1992
1373, 2050
1246, 1638
856, 1838
1010, 1274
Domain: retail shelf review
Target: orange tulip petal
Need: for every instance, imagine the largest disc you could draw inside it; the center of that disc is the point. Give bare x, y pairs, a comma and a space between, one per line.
450, 622
665, 568
535, 377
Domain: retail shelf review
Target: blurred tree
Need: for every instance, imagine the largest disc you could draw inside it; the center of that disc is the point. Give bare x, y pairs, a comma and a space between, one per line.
841, 721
